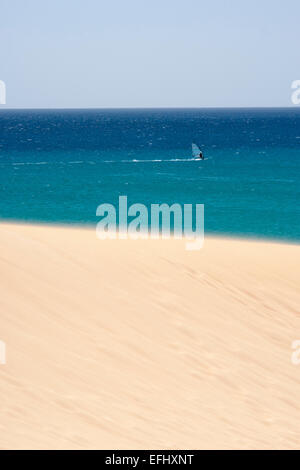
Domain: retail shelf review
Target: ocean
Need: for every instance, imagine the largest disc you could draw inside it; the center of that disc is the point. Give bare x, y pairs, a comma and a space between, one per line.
57, 166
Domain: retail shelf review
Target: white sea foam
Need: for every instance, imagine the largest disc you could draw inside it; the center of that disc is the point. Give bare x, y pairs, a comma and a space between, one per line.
80, 162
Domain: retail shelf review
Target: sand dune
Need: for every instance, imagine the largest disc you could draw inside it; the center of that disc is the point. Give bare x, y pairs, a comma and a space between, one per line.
142, 344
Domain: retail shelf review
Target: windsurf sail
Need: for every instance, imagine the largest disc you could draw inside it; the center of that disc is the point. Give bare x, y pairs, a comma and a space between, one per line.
195, 151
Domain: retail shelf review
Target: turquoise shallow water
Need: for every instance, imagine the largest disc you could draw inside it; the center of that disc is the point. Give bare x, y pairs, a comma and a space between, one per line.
58, 166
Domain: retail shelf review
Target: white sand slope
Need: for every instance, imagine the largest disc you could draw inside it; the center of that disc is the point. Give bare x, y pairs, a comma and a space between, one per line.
142, 344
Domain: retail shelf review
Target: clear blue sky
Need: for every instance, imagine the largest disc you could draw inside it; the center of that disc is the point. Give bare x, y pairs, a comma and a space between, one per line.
149, 53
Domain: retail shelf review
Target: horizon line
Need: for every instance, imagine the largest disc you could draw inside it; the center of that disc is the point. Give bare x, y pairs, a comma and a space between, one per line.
146, 107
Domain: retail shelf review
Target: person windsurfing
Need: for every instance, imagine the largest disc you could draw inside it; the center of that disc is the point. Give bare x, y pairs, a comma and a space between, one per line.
197, 153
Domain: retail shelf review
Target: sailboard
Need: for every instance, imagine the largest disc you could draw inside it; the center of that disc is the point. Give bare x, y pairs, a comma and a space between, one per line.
196, 152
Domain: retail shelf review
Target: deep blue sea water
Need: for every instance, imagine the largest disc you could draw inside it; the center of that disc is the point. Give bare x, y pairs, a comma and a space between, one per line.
58, 165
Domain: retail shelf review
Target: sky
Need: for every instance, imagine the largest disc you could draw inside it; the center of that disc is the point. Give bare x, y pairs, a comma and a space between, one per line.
149, 53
